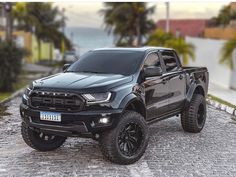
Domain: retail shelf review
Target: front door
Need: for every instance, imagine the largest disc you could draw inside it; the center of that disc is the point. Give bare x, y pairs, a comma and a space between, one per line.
156, 89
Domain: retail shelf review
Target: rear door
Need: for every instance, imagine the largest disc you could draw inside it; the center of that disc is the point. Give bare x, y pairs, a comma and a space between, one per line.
177, 80
156, 89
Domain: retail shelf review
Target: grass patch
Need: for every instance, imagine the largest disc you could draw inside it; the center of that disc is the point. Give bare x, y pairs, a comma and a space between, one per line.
212, 97
26, 73
4, 95
3, 111
22, 82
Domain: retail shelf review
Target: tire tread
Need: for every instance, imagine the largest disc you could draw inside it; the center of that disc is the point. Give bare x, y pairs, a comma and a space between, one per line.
29, 139
188, 117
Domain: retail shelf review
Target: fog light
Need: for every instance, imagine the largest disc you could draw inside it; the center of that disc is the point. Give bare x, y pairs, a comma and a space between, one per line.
104, 120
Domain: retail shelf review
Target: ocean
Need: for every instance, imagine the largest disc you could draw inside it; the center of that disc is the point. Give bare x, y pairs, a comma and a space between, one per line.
86, 39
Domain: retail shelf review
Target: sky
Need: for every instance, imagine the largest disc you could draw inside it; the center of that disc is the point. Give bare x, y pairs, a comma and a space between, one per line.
84, 14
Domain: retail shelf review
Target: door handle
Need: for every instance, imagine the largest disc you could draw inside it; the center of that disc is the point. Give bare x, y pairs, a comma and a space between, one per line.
181, 77
164, 81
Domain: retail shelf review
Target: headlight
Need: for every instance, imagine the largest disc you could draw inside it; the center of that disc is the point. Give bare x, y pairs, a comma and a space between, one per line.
25, 96
93, 98
27, 93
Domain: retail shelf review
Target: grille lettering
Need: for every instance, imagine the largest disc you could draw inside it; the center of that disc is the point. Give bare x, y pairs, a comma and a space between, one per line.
56, 101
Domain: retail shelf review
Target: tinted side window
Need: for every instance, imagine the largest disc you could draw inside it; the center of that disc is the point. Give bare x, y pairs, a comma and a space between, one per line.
152, 60
169, 60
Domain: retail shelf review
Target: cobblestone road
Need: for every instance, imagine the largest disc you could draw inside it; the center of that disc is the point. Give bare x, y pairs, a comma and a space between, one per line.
171, 152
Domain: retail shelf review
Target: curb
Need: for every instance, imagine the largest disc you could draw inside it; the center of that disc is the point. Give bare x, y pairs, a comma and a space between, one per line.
14, 95
222, 107
21, 91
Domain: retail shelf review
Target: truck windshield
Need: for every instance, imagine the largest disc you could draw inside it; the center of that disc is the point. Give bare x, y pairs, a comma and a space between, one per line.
108, 62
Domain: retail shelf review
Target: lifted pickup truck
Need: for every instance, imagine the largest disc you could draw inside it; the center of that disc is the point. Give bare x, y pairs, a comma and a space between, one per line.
111, 95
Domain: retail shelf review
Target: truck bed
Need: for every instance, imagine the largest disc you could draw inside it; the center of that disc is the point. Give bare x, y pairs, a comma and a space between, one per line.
189, 69
199, 74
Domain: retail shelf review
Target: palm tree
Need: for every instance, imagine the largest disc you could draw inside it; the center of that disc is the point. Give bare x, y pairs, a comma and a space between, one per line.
44, 20
227, 53
128, 21
224, 17
161, 38
185, 50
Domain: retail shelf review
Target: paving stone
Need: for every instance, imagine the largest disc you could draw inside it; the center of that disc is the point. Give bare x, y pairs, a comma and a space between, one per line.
171, 151
230, 110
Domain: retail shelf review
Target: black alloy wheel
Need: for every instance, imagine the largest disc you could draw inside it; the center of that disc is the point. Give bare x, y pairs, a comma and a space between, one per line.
130, 139
127, 142
201, 115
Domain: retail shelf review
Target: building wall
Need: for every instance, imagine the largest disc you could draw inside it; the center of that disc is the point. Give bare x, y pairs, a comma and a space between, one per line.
208, 54
34, 49
233, 5
220, 33
29, 41
185, 27
47, 50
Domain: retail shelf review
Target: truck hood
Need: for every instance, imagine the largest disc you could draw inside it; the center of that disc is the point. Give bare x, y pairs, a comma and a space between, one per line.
81, 82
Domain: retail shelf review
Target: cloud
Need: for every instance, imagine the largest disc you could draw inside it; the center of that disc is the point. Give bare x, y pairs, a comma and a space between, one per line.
83, 14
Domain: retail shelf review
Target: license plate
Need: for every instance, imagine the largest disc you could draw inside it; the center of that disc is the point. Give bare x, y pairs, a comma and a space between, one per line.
50, 116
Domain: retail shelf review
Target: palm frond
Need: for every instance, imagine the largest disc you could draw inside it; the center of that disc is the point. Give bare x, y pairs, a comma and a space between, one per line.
227, 53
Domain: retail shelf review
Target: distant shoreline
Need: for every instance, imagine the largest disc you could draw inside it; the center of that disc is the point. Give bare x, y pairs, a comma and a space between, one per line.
87, 38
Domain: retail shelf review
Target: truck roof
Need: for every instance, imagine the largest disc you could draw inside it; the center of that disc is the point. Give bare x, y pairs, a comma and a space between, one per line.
142, 49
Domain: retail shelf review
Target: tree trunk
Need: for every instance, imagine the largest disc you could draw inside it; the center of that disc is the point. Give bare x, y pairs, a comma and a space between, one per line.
119, 40
51, 51
9, 24
138, 31
39, 49
185, 59
130, 40
233, 71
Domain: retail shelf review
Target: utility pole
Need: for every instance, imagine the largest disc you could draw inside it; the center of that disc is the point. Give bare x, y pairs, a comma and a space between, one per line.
167, 17
7, 9
2, 16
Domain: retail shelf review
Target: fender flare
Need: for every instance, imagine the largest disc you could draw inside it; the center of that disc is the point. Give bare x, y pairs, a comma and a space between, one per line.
191, 91
132, 98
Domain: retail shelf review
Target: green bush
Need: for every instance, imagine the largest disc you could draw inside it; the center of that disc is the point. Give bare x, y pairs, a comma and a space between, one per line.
10, 64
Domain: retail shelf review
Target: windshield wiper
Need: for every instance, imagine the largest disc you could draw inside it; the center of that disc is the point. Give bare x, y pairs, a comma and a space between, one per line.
70, 71
92, 72
95, 72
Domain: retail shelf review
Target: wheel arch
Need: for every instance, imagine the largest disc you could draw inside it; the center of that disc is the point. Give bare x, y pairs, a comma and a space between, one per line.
199, 90
134, 103
194, 89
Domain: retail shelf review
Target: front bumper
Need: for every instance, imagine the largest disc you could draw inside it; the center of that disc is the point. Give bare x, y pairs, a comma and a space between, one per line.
84, 123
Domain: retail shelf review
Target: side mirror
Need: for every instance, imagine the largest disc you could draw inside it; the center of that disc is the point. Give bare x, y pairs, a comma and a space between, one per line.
152, 71
65, 67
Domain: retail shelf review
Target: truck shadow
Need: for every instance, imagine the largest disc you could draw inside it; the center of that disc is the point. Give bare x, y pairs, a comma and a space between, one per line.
82, 154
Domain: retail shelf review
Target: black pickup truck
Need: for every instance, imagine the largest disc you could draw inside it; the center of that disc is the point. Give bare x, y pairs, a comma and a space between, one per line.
111, 95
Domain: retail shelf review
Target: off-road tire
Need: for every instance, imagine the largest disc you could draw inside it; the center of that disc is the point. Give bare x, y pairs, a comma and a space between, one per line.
32, 138
111, 141
194, 116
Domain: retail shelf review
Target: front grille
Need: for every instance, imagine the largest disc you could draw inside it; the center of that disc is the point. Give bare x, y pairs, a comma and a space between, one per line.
56, 101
